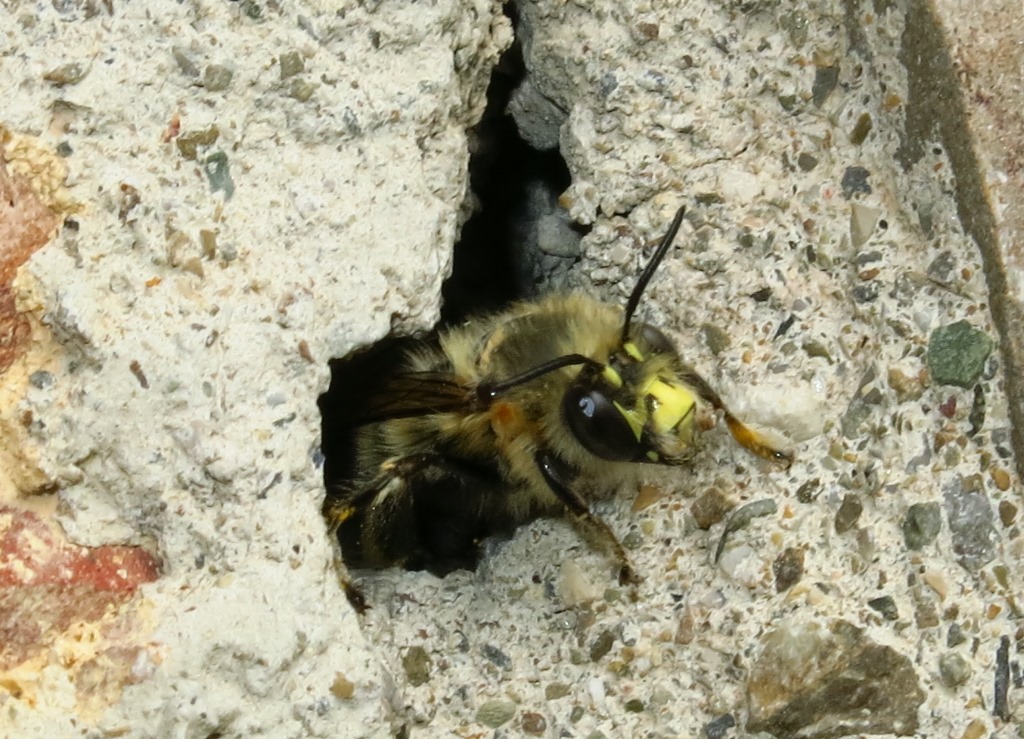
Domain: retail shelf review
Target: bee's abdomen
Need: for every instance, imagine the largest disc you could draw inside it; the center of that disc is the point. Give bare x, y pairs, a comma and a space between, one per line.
424, 511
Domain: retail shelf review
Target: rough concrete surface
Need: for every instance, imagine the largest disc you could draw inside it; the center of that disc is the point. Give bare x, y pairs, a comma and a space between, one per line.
258, 188
195, 319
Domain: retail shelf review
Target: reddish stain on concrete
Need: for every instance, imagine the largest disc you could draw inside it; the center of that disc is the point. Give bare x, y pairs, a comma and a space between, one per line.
48, 584
26, 223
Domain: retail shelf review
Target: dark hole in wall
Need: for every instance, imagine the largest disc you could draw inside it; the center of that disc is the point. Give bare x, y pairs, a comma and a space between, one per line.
495, 262
354, 379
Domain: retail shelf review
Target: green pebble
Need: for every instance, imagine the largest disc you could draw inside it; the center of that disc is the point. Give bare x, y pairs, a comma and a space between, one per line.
495, 712
189, 142
291, 64
217, 78
807, 492
788, 102
602, 645
815, 348
184, 62
554, 691
953, 669
66, 74
848, 513
886, 606
796, 25
300, 89
806, 162
861, 129
632, 539
634, 705
416, 663
709, 198
921, 525
252, 10
716, 338
957, 354
749, 512
825, 81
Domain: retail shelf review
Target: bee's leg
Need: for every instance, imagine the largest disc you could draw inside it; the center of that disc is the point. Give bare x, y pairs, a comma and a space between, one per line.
421, 512
559, 478
335, 511
746, 437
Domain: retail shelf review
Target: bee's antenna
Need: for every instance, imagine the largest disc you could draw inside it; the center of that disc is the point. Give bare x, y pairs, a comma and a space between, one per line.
645, 277
487, 392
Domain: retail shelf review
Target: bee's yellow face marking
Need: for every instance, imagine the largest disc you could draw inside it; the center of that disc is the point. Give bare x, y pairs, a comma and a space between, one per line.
672, 404
630, 348
611, 376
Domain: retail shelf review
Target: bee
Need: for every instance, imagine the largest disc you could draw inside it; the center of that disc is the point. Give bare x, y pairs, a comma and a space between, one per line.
532, 412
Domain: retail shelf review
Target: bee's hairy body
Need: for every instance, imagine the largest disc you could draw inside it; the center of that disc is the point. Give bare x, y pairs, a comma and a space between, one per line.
497, 443
535, 411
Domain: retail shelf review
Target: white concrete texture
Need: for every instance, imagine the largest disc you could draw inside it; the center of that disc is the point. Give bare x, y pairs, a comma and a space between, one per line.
821, 248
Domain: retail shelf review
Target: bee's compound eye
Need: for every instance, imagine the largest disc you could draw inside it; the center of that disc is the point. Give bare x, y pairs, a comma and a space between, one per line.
652, 340
599, 425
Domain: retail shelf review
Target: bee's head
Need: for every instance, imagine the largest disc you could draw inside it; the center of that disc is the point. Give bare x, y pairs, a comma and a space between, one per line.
637, 408
646, 404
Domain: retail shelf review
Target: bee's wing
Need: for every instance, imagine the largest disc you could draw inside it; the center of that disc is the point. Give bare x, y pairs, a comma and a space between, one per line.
411, 394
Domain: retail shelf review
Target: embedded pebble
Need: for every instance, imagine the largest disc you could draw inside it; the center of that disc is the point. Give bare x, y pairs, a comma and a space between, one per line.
219, 175
710, 508
290, 64
189, 142
717, 340
601, 645
719, 728
921, 525
1001, 683
861, 129
554, 691
955, 635
806, 162
788, 568
416, 663
342, 687
808, 491
184, 61
848, 513
42, 379
855, 181
217, 78
886, 606
957, 354
862, 223
494, 713
970, 524
1007, 513
496, 656
534, 724
825, 81
954, 669
66, 74
809, 675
